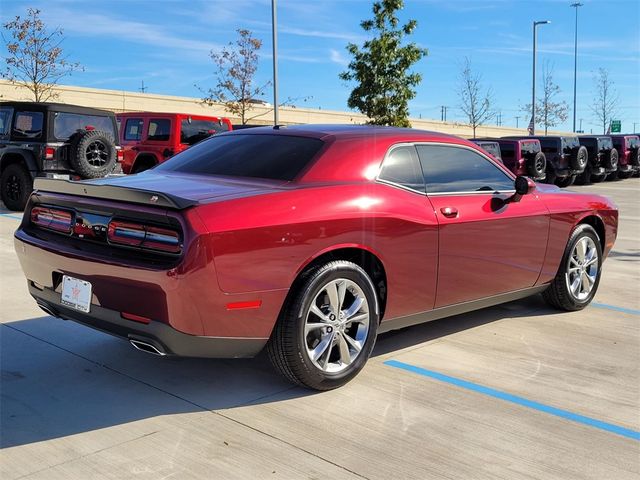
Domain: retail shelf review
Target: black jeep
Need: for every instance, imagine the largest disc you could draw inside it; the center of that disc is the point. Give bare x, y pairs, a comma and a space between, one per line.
603, 159
566, 158
52, 140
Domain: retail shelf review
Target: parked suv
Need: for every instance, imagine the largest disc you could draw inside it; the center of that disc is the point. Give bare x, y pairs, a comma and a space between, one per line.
521, 156
151, 138
490, 146
52, 140
628, 147
566, 158
603, 159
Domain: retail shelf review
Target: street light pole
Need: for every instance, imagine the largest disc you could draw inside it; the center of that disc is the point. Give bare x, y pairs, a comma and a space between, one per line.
274, 35
575, 64
533, 86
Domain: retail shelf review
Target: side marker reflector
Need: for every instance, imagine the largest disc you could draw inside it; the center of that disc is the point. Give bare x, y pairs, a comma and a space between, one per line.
244, 305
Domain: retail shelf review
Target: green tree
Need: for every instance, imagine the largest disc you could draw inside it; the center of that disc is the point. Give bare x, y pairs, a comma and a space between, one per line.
381, 67
35, 58
236, 86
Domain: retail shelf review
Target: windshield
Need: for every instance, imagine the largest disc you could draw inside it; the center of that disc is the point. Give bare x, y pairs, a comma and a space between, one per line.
66, 124
275, 157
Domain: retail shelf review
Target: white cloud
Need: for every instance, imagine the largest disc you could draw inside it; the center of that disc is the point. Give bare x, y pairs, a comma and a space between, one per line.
337, 57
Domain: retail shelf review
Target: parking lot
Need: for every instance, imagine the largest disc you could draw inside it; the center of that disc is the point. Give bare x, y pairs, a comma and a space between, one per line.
514, 391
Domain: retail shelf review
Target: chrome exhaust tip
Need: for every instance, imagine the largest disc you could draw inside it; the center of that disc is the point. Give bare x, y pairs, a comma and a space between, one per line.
146, 347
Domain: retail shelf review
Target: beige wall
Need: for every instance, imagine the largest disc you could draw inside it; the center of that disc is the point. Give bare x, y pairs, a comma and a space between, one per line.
123, 101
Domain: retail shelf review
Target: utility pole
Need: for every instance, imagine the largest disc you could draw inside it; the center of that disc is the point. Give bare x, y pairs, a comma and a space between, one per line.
533, 83
517, 121
575, 64
443, 113
274, 35
581, 125
499, 119
634, 126
143, 89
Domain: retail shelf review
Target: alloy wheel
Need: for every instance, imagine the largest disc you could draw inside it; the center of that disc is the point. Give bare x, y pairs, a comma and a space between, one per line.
336, 325
582, 268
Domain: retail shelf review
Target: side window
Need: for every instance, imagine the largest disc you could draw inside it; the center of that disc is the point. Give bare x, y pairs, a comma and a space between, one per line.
27, 124
159, 129
133, 129
453, 169
402, 167
5, 121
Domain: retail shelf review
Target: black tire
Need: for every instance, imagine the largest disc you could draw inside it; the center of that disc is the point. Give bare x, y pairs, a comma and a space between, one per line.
597, 178
566, 181
584, 178
93, 154
143, 164
579, 158
634, 157
611, 159
559, 294
536, 165
287, 347
613, 176
16, 186
624, 175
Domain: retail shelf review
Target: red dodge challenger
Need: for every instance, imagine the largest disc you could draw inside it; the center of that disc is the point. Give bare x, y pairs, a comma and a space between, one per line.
308, 240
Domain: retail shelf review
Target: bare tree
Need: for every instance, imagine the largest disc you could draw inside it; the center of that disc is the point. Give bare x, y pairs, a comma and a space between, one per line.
236, 86
35, 58
549, 112
605, 100
475, 104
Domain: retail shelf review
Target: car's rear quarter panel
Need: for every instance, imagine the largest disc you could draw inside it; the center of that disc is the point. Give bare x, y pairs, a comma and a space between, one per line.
262, 243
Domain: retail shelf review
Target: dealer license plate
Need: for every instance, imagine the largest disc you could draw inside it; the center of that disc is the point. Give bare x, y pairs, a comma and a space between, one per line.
76, 293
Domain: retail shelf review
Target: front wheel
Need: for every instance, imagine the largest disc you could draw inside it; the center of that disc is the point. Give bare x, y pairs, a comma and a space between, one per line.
578, 277
565, 181
327, 330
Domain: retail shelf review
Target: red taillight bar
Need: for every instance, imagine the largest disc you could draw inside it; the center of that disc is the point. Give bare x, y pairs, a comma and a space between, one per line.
145, 236
52, 218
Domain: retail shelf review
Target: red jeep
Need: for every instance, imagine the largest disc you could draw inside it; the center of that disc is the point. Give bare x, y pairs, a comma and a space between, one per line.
150, 138
628, 147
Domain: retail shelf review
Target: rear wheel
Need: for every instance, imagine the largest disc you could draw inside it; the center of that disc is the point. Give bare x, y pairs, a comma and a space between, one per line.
566, 181
578, 277
16, 185
327, 330
597, 178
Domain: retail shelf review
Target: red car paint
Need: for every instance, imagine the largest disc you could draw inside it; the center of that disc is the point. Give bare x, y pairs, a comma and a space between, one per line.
245, 241
142, 149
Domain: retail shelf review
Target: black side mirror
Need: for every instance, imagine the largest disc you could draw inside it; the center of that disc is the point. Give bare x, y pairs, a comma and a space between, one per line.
523, 186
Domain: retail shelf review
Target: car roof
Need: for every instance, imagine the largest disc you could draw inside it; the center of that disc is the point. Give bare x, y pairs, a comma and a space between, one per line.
336, 131
58, 107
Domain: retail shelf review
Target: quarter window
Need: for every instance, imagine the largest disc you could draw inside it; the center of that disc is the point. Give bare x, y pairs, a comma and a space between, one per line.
5, 120
402, 167
133, 129
27, 124
453, 169
159, 129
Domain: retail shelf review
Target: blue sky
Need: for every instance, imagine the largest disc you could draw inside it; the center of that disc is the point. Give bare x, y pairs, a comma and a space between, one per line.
166, 44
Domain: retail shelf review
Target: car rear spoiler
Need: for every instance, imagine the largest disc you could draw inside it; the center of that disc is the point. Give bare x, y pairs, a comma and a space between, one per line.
112, 192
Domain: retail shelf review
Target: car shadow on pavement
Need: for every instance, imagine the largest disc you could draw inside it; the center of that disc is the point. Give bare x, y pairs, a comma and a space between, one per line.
60, 378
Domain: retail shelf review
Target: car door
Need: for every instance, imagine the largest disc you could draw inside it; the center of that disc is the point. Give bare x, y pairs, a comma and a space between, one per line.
130, 136
488, 244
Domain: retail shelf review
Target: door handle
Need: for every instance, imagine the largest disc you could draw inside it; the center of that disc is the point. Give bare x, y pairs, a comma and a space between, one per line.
449, 212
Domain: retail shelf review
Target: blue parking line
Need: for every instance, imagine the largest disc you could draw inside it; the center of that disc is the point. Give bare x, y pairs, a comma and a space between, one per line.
615, 308
9, 215
574, 417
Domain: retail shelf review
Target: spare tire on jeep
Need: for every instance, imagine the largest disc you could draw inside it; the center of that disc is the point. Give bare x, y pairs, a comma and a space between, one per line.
536, 165
93, 154
579, 158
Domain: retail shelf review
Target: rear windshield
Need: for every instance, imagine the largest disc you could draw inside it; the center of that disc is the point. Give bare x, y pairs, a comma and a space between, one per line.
570, 142
530, 147
66, 124
275, 157
549, 145
28, 124
192, 131
508, 151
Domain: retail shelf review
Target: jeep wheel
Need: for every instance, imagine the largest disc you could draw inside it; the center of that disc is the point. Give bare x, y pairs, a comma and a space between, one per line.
536, 165
566, 181
16, 185
93, 154
579, 158
611, 159
598, 177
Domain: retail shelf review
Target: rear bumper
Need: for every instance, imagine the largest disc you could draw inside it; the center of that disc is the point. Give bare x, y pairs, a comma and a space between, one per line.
163, 337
